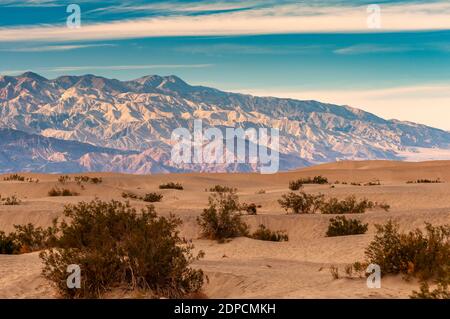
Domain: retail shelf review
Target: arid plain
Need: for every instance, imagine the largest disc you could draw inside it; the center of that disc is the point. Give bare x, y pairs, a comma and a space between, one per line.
244, 267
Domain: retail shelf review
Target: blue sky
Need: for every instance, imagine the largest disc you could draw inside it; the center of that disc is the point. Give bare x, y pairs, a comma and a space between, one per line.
319, 50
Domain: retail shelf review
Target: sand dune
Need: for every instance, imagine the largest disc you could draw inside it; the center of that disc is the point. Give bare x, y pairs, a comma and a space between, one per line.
247, 268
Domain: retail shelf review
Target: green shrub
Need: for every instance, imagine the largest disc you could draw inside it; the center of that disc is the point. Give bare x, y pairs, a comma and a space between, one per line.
295, 185
440, 292
87, 179
13, 200
171, 185
262, 233
55, 191
222, 189
301, 203
152, 197
376, 183
14, 177
30, 238
64, 179
425, 181
334, 271
7, 244
222, 218
349, 205
249, 208
130, 195
412, 254
117, 248
341, 226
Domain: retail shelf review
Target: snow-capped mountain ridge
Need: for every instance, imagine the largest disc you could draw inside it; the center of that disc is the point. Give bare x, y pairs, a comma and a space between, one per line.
140, 115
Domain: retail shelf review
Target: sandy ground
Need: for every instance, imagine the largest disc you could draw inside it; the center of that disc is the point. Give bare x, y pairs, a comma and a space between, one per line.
247, 268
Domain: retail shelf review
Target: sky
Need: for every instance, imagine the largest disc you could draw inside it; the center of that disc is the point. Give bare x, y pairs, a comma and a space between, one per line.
391, 58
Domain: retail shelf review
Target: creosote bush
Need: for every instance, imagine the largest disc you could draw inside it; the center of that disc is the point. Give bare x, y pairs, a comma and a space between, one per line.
30, 238
116, 247
12, 200
222, 220
425, 181
152, 197
349, 205
441, 290
87, 179
295, 185
27, 238
301, 203
341, 226
7, 244
130, 195
251, 208
263, 233
14, 177
420, 254
62, 192
149, 197
64, 179
171, 185
222, 189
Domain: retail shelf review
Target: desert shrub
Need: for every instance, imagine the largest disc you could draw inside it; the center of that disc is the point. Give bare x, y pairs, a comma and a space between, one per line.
117, 248
87, 179
262, 233
440, 292
301, 203
30, 238
334, 271
96, 180
376, 183
419, 254
171, 185
341, 226
7, 244
152, 197
249, 208
349, 205
64, 179
55, 191
130, 195
222, 218
425, 181
14, 177
355, 184
222, 189
261, 191
13, 200
295, 185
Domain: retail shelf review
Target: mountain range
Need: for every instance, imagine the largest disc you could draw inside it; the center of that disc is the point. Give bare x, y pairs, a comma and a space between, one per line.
91, 123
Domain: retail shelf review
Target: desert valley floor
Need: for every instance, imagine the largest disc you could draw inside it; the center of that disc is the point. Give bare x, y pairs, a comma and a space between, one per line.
244, 267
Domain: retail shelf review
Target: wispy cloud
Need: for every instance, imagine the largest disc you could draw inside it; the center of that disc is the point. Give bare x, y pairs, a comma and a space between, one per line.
90, 68
372, 48
51, 48
273, 20
225, 48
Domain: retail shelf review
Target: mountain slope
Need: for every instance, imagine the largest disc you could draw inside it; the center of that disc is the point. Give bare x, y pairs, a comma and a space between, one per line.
141, 114
20, 151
